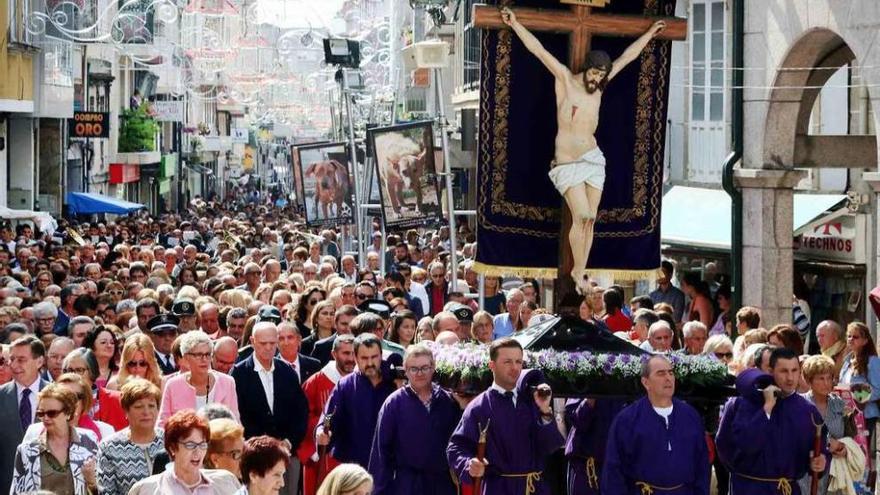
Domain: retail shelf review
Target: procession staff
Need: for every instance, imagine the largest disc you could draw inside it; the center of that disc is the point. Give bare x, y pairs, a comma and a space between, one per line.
522, 435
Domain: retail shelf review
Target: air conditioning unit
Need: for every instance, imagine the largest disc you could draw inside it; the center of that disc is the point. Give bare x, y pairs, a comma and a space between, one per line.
426, 55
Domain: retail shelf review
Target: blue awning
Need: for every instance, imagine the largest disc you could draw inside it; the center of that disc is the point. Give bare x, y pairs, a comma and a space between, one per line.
90, 203
698, 217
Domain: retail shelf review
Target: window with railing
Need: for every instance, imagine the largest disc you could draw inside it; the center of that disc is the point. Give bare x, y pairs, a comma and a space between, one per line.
707, 55
58, 63
471, 48
18, 11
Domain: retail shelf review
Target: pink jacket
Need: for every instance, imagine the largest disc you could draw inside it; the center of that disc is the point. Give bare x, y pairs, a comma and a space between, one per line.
179, 395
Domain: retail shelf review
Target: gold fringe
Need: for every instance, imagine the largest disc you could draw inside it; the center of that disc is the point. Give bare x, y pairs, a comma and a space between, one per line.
550, 273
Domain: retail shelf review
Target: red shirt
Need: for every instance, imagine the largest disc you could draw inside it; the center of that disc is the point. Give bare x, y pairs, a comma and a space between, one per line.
618, 322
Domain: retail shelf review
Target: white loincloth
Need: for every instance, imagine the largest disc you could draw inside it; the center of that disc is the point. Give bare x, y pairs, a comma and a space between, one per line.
590, 169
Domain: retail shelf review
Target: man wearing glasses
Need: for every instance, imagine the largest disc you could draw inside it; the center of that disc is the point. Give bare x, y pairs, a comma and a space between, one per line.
412, 431
437, 288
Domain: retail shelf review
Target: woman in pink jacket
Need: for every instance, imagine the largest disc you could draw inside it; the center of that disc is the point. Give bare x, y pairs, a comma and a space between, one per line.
200, 385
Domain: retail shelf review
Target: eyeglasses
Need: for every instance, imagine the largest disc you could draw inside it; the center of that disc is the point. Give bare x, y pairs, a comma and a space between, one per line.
195, 445
437, 275
137, 364
234, 454
78, 371
49, 413
724, 355
199, 355
362, 297
420, 370
314, 301
116, 292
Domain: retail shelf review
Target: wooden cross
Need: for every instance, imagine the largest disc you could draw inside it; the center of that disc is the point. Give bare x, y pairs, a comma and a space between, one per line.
581, 24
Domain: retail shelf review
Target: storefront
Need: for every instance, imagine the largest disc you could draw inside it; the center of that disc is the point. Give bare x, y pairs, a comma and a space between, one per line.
125, 176
830, 257
829, 241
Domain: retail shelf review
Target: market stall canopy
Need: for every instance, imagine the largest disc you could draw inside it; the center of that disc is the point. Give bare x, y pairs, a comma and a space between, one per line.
700, 217
42, 219
91, 203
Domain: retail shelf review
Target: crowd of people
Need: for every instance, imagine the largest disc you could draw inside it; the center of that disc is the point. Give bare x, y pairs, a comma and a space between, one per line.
233, 350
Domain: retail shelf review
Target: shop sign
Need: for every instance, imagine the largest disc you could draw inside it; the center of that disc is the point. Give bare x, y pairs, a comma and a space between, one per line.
123, 173
840, 238
168, 111
239, 135
89, 125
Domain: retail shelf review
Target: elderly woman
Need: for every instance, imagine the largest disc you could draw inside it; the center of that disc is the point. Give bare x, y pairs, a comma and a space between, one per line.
186, 441
45, 314
138, 361
818, 372
347, 479
59, 460
128, 456
102, 341
721, 348
225, 447
200, 385
482, 327
105, 403
263, 463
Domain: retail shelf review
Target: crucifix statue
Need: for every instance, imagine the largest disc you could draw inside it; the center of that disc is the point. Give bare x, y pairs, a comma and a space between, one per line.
578, 168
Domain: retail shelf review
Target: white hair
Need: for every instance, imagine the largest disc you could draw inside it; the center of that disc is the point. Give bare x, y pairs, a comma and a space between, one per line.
657, 326
190, 340
688, 329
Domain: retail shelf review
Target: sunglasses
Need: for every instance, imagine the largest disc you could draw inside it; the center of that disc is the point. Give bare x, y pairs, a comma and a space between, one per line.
724, 355
362, 297
137, 364
78, 371
314, 301
49, 413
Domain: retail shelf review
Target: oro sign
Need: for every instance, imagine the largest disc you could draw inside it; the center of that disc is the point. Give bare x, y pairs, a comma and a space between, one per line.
90, 125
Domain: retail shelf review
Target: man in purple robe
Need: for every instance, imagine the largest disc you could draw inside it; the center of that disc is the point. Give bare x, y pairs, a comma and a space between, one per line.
657, 444
355, 403
414, 426
589, 420
521, 434
767, 434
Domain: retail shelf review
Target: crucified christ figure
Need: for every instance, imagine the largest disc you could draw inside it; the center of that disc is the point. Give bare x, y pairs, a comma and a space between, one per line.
578, 167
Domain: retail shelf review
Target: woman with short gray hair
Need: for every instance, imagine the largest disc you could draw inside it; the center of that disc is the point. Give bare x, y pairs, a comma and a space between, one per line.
45, 314
200, 385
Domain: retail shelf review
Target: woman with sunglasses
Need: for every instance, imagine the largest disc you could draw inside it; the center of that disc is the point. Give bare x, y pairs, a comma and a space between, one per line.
130, 455
225, 446
200, 385
96, 430
304, 307
102, 341
186, 441
138, 361
721, 348
59, 459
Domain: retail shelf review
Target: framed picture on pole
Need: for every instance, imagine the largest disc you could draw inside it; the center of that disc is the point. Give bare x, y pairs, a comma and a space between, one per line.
405, 165
322, 174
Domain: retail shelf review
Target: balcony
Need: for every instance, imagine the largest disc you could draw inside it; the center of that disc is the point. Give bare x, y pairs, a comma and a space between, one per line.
138, 138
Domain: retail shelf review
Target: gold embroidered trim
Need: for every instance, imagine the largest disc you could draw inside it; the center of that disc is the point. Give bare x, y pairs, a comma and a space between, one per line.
551, 273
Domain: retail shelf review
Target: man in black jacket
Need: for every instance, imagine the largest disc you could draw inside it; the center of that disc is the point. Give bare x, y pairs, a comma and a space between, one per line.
271, 401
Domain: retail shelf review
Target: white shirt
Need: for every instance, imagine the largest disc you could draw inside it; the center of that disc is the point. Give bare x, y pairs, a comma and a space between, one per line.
166, 358
665, 412
296, 368
266, 379
501, 391
35, 389
418, 291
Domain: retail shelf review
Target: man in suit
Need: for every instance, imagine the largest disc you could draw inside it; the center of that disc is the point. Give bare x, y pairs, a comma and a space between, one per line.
18, 400
271, 401
289, 340
163, 330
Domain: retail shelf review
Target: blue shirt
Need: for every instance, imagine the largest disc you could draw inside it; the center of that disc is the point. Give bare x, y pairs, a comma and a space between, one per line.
503, 326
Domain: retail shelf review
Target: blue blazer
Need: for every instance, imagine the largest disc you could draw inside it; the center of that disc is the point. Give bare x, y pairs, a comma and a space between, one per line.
287, 419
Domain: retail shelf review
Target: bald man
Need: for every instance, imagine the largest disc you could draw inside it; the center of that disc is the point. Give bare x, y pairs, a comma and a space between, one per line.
271, 401
225, 353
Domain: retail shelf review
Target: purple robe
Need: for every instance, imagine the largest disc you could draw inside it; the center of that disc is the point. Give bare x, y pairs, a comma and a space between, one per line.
752, 445
355, 404
642, 448
409, 447
518, 443
585, 445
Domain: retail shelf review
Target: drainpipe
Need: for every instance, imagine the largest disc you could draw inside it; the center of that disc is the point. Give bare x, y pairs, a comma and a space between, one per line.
736, 154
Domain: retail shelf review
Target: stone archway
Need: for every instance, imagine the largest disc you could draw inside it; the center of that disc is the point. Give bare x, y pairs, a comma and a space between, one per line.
787, 143
767, 184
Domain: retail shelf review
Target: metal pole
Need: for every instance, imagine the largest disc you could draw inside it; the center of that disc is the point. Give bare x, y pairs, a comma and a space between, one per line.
481, 281
447, 172
357, 187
